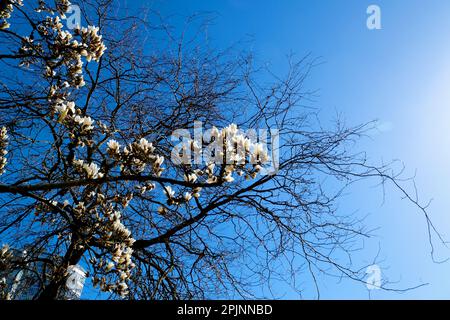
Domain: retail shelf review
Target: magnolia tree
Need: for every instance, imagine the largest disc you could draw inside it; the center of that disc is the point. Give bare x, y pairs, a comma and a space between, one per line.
99, 168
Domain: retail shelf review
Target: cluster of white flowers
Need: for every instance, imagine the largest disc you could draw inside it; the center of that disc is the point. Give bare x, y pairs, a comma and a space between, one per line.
146, 187
5, 12
118, 239
63, 64
4, 294
169, 192
66, 49
113, 148
94, 46
5, 264
105, 219
190, 177
70, 116
62, 6
100, 214
85, 123
3, 151
239, 147
114, 228
5, 257
121, 265
136, 156
64, 109
30, 50
91, 170
233, 150
176, 199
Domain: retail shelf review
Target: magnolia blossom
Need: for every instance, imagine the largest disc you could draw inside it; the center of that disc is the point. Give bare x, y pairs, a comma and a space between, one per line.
62, 6
64, 109
161, 210
146, 146
228, 177
159, 160
136, 156
113, 147
3, 152
95, 47
91, 170
109, 266
169, 192
86, 123
191, 177
5, 257
187, 196
212, 179
196, 192
4, 250
146, 187
5, 12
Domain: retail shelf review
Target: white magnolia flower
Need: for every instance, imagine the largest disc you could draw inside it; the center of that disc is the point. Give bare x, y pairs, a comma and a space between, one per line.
109, 266
159, 160
196, 192
238, 158
146, 146
191, 177
78, 162
161, 210
4, 25
228, 177
169, 192
3, 151
78, 120
4, 250
92, 171
86, 123
187, 196
212, 179
229, 131
122, 288
113, 147
64, 108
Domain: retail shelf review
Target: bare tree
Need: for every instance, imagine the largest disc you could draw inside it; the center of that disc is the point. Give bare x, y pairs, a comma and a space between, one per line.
87, 172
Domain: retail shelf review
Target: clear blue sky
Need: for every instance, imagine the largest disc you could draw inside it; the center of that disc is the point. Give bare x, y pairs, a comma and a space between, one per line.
399, 75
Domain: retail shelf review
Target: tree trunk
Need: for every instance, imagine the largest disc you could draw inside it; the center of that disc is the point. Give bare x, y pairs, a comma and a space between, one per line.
72, 257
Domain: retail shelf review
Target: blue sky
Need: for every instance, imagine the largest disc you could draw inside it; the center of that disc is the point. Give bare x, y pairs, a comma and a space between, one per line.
399, 75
